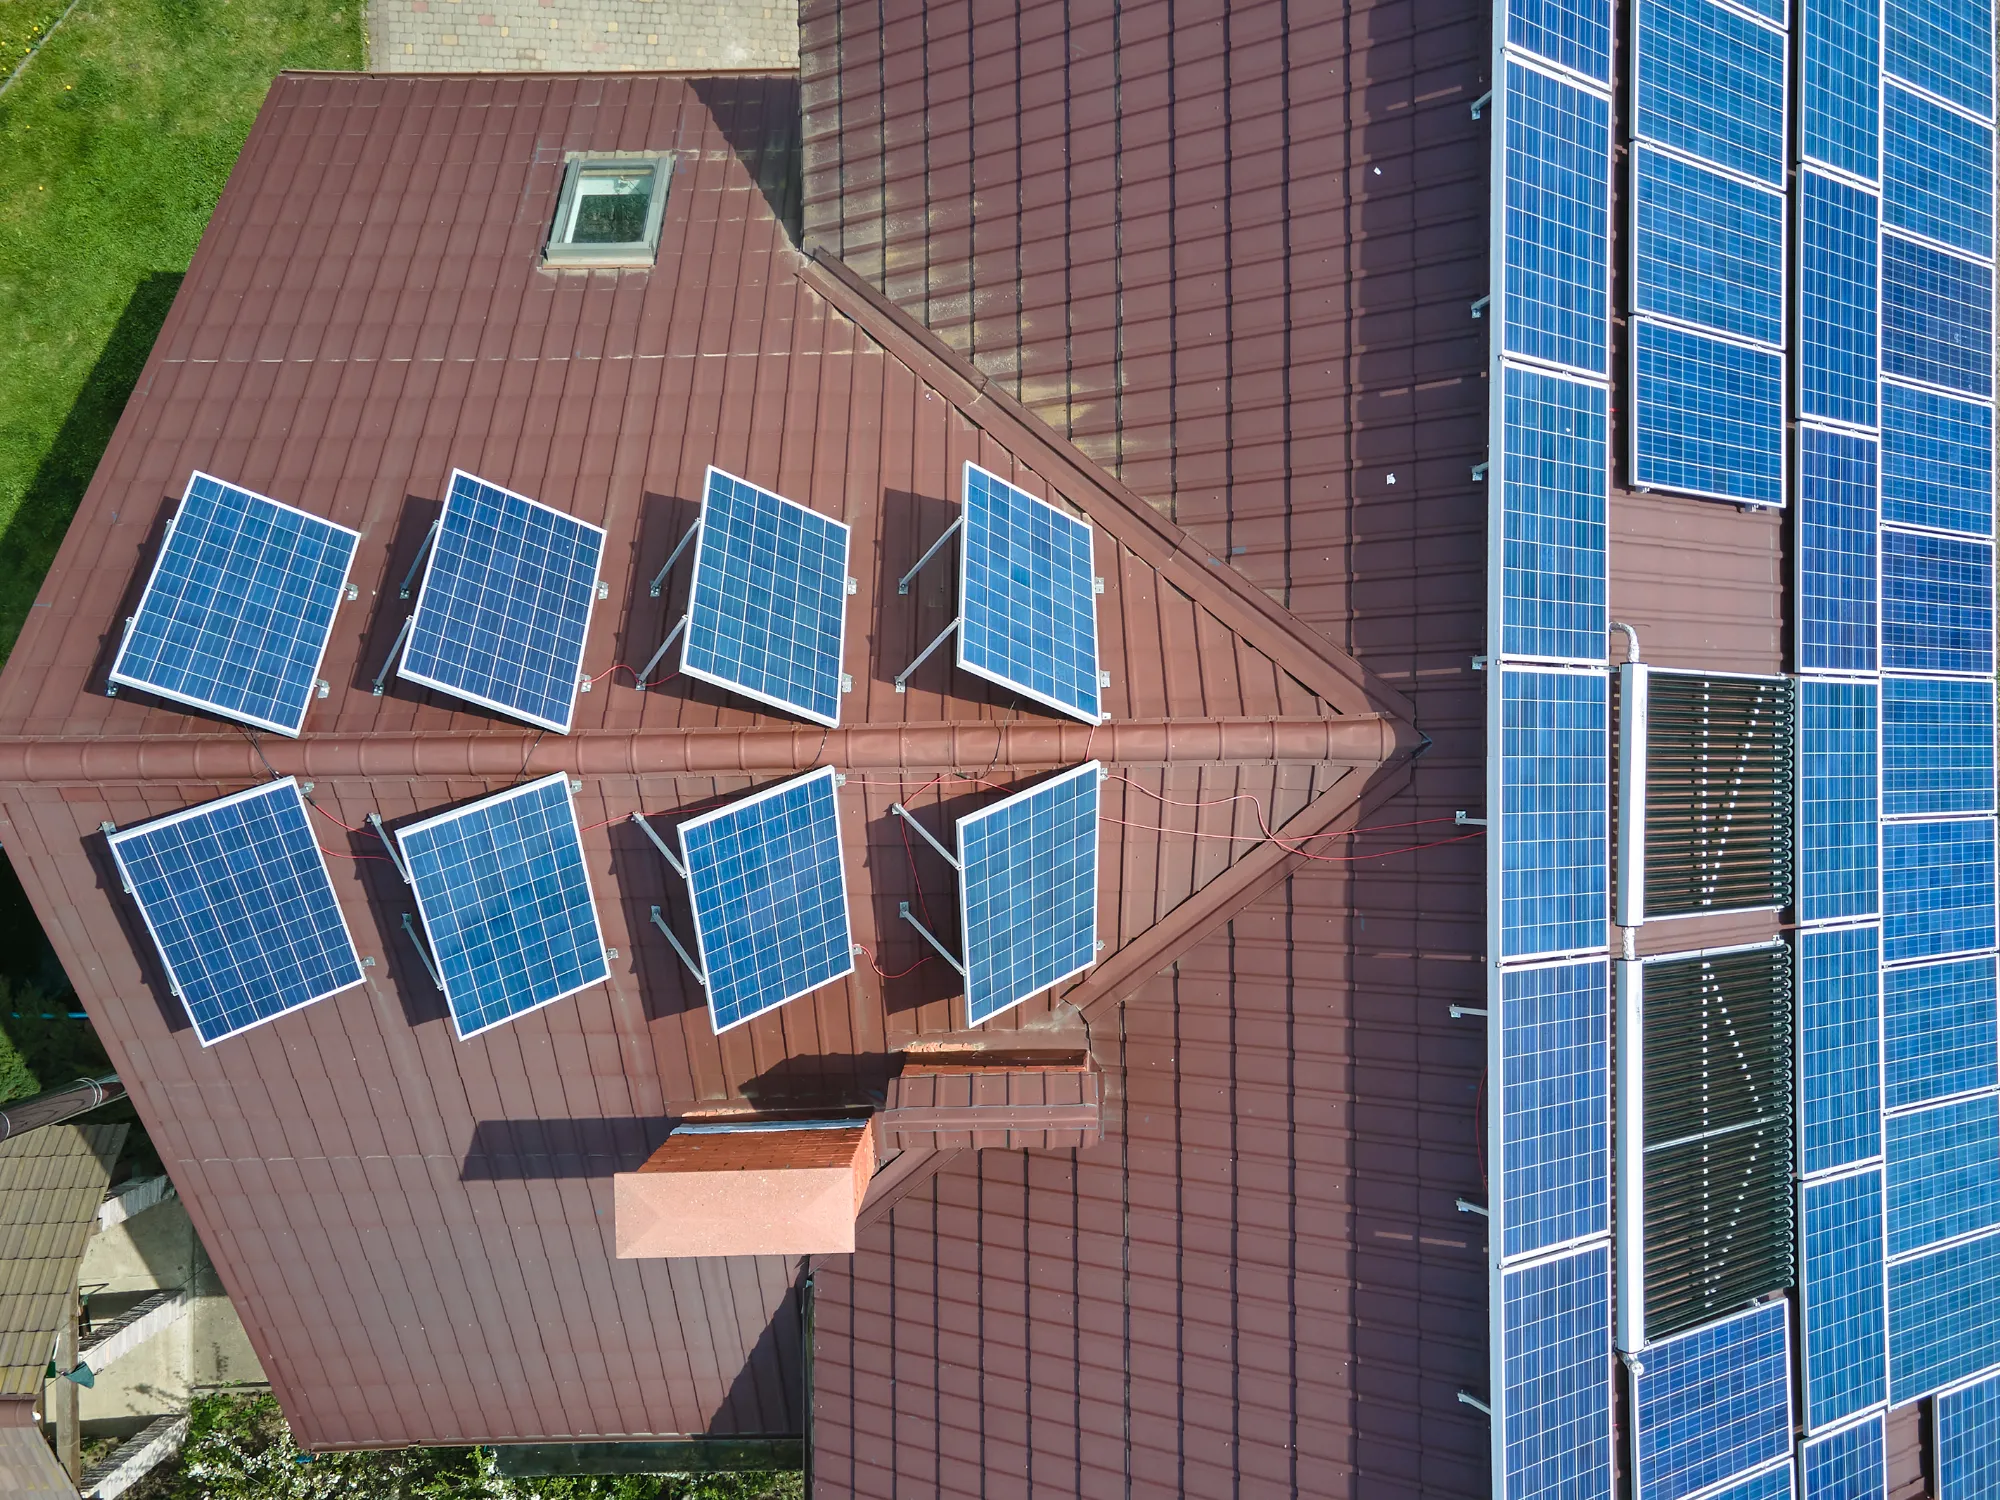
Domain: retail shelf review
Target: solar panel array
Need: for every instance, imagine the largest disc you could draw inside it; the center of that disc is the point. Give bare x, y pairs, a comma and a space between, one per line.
1548, 717
1712, 1404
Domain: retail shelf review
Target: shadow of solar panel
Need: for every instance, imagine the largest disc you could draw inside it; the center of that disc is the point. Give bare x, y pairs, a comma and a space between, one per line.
770, 897
767, 611
1028, 891
1944, 1317
1027, 596
1937, 461
1708, 416
505, 900
1838, 355
1937, 888
1840, 84
237, 898
236, 615
1707, 248
1940, 1031
1557, 193
1712, 1403
505, 604
1555, 1049
1840, 1022
1836, 552
1937, 172
1846, 1465
1711, 82
1966, 1440
1554, 1414
1841, 1315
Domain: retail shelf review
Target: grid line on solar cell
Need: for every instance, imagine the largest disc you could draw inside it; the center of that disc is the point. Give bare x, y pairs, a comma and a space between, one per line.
1554, 855
1837, 551
770, 897
1840, 84
1028, 891
1709, 415
505, 604
1572, 34
1842, 1327
1967, 1441
1556, 1105
1558, 226
1937, 745
1937, 460
767, 609
1844, 1465
1937, 172
1937, 889
1935, 45
237, 611
1027, 596
237, 898
1943, 1172
1708, 249
1940, 1031
1837, 363
1556, 1378
1937, 604
1556, 480
1840, 1077
504, 896
1712, 1403
1937, 317
1711, 83
1944, 1317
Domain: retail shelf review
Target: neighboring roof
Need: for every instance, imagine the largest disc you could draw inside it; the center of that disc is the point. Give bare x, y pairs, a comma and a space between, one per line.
29, 1469
391, 1208
52, 1182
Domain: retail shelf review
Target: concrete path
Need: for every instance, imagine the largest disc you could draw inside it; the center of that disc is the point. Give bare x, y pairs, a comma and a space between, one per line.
457, 36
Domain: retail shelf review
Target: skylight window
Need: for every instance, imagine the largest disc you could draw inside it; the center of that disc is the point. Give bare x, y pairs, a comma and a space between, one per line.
609, 212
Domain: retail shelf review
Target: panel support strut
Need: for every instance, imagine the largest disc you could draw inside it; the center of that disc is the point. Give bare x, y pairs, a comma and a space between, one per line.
661, 845
410, 578
660, 578
646, 672
395, 651
693, 967
903, 583
423, 952
908, 817
903, 911
924, 655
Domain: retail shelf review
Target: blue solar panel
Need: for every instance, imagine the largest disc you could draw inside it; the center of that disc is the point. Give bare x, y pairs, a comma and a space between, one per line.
1709, 249
768, 606
1027, 596
1937, 745
236, 615
1968, 1441
1709, 415
1711, 83
1840, 80
1944, 1172
1556, 478
1836, 551
1028, 891
1555, 1043
1712, 1403
1937, 604
1937, 460
1845, 1465
1774, 1483
505, 900
1558, 205
1937, 172
1944, 1317
1573, 34
1937, 317
238, 900
1838, 750
1841, 1316
505, 604
1944, 47
1940, 1031
1840, 1018
1837, 313
770, 897
1555, 1410
1554, 860
1937, 889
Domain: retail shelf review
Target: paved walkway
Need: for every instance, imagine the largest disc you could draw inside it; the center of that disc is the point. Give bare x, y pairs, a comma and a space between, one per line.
457, 36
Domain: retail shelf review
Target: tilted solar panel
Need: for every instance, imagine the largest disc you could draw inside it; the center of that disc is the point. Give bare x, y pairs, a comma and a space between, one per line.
1836, 552
1839, 347
505, 604
1711, 82
1937, 460
1028, 891
1937, 317
1937, 745
1944, 47
1841, 1317
1845, 1465
1027, 596
1554, 830
1554, 1416
1966, 1441
1840, 1024
1555, 486
1774, 1483
1944, 1317
1937, 604
1573, 34
1840, 74
1555, 1029
1943, 1172
1557, 191
1708, 415
1712, 1403
1937, 172
1707, 248
767, 611
770, 897
238, 900
236, 615
1937, 889
504, 895
1940, 1031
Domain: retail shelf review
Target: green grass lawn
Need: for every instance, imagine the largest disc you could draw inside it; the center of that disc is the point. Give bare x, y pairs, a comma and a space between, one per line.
114, 145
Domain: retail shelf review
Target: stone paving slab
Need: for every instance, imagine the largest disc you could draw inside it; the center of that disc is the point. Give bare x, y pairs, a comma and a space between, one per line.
452, 36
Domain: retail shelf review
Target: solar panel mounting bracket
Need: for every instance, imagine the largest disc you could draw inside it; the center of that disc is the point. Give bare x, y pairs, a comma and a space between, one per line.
1468, 1399
693, 967
660, 578
900, 811
375, 821
395, 650
1460, 1012
1479, 307
1479, 472
924, 655
903, 911
1466, 1206
646, 672
352, 592
321, 687
903, 583
422, 952
660, 844
410, 578
1481, 102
